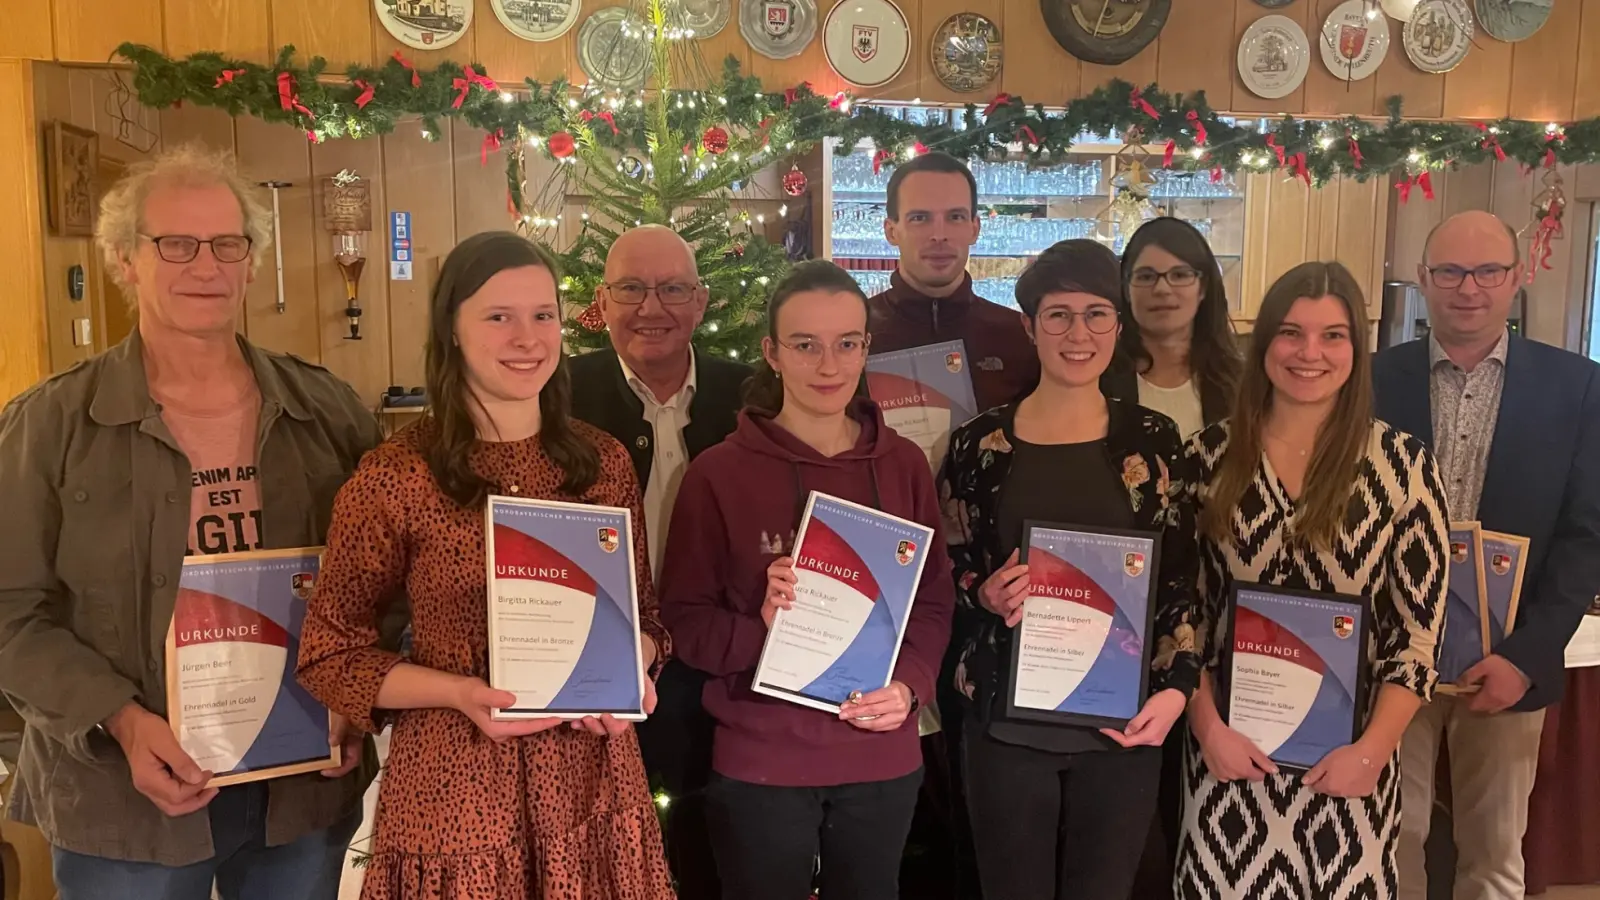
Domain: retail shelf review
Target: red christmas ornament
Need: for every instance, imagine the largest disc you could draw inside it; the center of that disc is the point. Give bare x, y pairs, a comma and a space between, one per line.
561, 145
794, 183
591, 319
715, 140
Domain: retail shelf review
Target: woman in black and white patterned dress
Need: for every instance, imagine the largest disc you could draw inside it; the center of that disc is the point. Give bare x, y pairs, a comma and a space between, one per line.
1302, 488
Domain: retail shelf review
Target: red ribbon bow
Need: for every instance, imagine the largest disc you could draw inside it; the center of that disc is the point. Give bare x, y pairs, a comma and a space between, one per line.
605, 117
1355, 152
1424, 181
465, 83
1137, 101
1199, 128
227, 76
1216, 175
1166, 158
287, 98
491, 141
838, 100
366, 94
1539, 248
1550, 151
416, 80
1490, 142
1272, 141
1299, 162
1023, 131
879, 158
998, 101
792, 94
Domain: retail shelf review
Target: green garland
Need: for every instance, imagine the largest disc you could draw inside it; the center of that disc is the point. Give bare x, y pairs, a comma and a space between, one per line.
372, 100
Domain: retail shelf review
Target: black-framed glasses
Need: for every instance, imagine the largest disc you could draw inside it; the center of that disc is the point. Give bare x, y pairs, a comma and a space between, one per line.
1177, 276
670, 293
182, 248
1488, 275
1058, 320
845, 350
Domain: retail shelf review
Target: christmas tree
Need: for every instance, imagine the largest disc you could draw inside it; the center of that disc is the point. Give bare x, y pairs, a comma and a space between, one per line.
674, 157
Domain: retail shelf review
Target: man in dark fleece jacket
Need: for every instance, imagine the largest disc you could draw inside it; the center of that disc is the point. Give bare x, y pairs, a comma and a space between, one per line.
933, 220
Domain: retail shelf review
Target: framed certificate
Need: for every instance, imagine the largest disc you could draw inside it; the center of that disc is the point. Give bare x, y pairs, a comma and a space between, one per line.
1466, 610
924, 392
232, 697
1297, 671
563, 609
1505, 559
857, 572
1081, 654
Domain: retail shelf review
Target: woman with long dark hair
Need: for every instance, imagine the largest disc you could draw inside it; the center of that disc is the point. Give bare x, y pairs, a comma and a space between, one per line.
1302, 488
791, 783
1061, 812
472, 807
1177, 353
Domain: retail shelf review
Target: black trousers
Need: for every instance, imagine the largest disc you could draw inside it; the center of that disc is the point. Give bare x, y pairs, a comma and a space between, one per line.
1058, 826
767, 838
676, 745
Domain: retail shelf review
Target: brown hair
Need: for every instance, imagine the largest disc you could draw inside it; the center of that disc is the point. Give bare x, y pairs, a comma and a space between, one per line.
447, 444
1074, 265
1213, 351
1341, 440
933, 161
763, 391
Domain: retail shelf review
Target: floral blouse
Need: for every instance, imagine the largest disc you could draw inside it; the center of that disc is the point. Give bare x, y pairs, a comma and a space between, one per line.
1146, 449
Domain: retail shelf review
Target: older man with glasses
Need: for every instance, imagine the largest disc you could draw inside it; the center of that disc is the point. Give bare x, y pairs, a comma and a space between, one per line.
1515, 426
185, 439
666, 401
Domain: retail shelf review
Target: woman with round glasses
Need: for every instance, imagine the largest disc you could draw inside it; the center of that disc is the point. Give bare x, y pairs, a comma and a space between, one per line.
1177, 353
1060, 811
790, 782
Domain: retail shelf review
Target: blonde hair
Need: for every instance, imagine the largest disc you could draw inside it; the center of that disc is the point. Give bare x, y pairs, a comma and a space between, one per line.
188, 165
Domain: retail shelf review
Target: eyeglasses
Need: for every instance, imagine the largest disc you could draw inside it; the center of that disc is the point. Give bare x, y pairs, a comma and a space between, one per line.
845, 350
632, 293
1058, 320
1178, 276
182, 248
1488, 275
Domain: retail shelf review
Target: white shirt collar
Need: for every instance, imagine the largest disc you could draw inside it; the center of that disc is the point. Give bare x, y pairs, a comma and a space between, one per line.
679, 400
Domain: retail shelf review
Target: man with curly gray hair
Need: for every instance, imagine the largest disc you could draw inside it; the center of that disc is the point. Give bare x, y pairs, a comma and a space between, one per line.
184, 439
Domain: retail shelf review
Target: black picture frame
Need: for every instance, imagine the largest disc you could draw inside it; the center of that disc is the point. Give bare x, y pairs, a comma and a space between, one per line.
1153, 564
1105, 51
1363, 633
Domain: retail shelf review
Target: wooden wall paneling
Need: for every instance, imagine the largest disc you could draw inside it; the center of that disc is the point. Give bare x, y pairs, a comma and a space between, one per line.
1410, 223
1140, 70
934, 14
24, 341
463, 51
1330, 93
1479, 88
28, 33
59, 96
1036, 68
269, 152
715, 50
1544, 68
418, 177
1258, 211
1472, 187
1422, 95
339, 32
206, 126
480, 196
238, 28
1511, 199
1286, 244
102, 99
1194, 51
1586, 100
1357, 236
509, 59
363, 363
89, 30
1246, 12
1323, 218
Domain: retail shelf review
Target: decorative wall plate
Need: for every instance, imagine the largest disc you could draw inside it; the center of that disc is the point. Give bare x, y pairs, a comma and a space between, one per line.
1274, 4
967, 53
1513, 20
1274, 57
778, 29
1399, 10
1105, 32
425, 24
1439, 35
613, 49
537, 20
866, 41
1354, 45
706, 18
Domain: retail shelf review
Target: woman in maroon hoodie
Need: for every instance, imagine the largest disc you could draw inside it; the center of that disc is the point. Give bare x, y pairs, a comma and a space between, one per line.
790, 782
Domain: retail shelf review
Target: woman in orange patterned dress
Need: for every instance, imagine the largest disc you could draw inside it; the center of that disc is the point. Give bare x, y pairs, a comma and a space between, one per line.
471, 807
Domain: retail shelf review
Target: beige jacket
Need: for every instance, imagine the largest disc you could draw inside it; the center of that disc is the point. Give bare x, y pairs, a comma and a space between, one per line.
96, 515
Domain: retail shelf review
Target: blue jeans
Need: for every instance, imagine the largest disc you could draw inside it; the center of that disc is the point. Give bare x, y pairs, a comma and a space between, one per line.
244, 867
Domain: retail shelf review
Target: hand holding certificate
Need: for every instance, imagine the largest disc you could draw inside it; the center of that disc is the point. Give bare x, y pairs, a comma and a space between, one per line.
563, 610
836, 622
